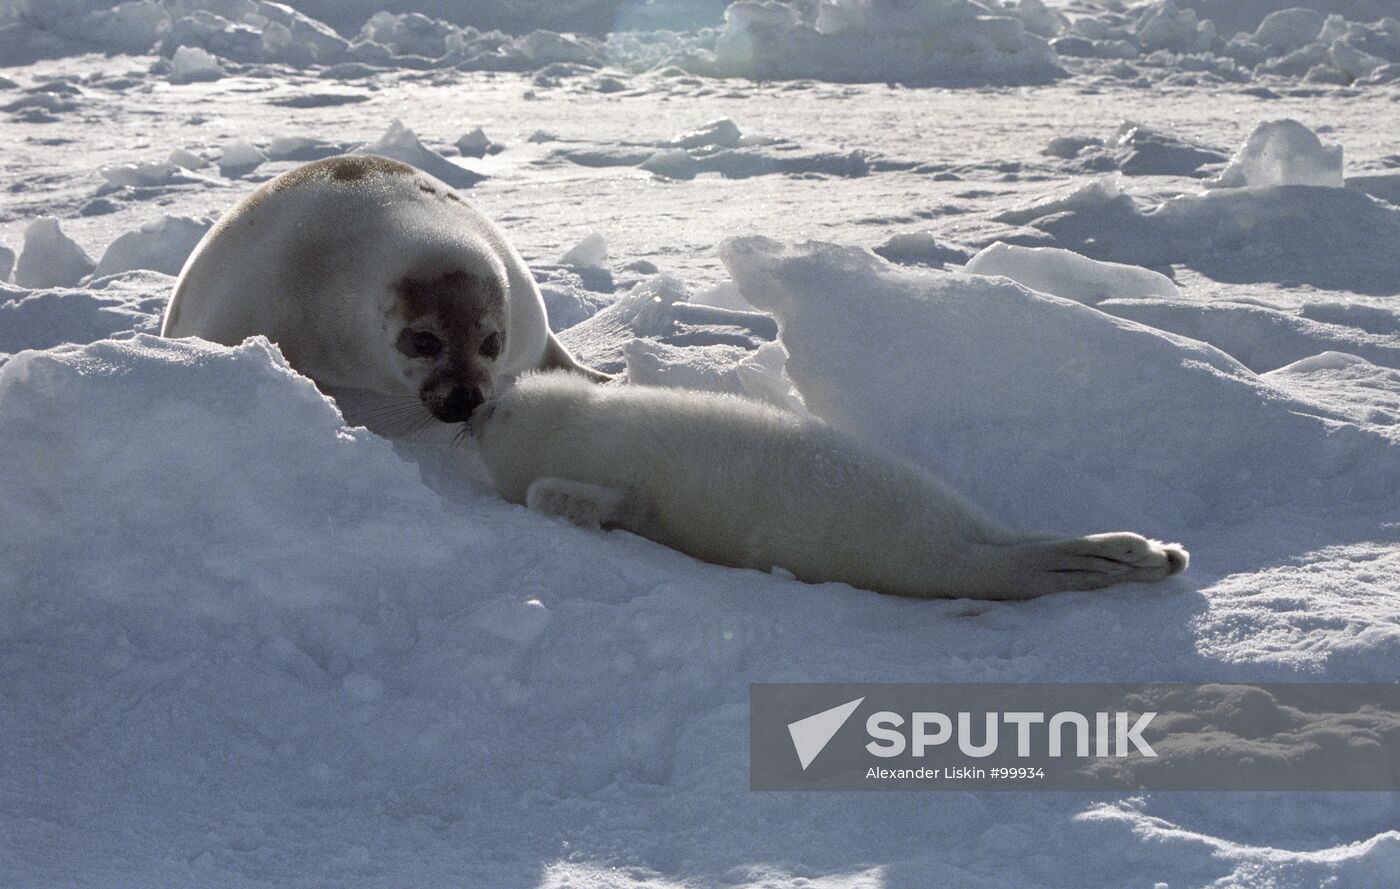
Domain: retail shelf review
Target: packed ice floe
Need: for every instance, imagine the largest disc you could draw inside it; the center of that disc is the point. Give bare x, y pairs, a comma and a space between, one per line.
929, 42
247, 645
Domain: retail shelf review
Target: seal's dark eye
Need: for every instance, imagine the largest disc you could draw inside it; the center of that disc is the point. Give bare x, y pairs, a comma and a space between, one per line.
426, 345
491, 346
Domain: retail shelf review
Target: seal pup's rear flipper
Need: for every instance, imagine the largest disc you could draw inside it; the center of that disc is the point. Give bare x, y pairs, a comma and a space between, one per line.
1034, 568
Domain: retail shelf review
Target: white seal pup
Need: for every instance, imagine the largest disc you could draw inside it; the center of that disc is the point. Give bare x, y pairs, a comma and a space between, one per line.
379, 283
740, 483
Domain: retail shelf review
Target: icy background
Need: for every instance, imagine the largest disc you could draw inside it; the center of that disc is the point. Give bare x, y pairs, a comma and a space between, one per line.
1099, 265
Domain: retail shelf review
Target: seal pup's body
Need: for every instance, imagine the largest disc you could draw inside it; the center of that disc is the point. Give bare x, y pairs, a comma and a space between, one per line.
378, 282
739, 483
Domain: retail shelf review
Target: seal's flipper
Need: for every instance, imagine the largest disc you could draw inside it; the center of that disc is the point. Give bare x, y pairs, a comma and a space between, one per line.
1037, 567
556, 357
586, 505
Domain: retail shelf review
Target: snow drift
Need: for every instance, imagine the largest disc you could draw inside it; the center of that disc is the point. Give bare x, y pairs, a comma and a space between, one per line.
1133, 427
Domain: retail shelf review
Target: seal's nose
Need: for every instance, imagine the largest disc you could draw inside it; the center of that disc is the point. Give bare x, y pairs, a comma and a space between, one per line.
458, 405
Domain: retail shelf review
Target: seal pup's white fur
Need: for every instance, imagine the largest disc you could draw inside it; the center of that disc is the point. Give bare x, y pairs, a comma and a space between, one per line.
736, 482
379, 283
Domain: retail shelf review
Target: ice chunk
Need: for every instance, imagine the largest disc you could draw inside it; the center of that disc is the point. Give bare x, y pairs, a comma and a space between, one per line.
1288, 29
672, 163
1103, 193
1068, 274
1261, 338
401, 144
476, 144
139, 175
920, 248
1336, 238
191, 64
567, 297
1355, 62
951, 42
162, 245
724, 295
544, 47
408, 34
50, 258
1141, 150
187, 159
301, 148
131, 27
656, 309
1164, 26
1282, 152
238, 159
7, 263
722, 133
589, 253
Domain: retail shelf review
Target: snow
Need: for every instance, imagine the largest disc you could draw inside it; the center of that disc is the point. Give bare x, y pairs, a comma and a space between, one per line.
1010, 359
244, 645
115, 307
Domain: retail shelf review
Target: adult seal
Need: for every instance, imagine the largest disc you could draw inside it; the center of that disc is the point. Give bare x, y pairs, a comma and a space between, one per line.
378, 282
740, 483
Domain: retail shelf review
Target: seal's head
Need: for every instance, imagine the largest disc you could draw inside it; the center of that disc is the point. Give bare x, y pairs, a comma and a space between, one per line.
532, 412
448, 331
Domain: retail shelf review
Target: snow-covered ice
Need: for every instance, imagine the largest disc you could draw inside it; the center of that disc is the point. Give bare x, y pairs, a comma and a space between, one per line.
239, 158
1065, 273
401, 144
244, 645
589, 253
476, 143
162, 245
1282, 152
50, 258
190, 64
